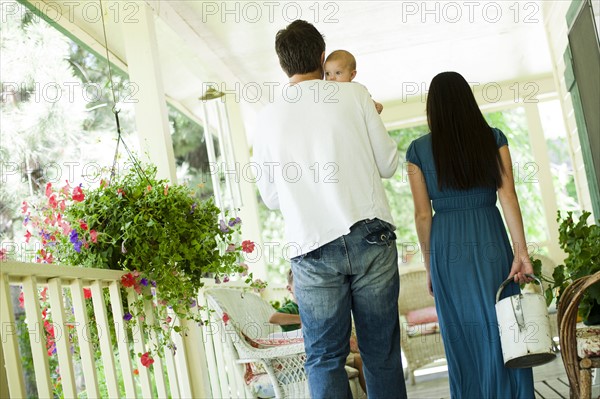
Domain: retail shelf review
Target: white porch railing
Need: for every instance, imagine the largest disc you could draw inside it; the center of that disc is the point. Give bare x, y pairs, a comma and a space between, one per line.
107, 363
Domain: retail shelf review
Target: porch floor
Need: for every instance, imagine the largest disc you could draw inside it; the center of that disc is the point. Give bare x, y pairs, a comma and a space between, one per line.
550, 382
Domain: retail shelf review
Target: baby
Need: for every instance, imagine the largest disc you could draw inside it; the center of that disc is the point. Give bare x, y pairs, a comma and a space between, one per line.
340, 66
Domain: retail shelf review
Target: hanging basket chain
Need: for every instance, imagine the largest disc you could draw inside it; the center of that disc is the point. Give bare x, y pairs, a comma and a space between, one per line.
116, 111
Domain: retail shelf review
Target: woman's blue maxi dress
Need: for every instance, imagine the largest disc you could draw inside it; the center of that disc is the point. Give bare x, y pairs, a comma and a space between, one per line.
470, 257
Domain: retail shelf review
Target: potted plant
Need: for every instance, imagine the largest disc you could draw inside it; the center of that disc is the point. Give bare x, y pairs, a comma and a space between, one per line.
165, 239
581, 243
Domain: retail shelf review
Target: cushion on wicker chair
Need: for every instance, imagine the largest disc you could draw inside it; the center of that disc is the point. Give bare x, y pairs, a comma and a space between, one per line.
588, 342
421, 343
422, 316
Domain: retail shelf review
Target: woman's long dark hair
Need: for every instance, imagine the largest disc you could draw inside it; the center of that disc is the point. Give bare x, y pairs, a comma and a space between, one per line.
464, 148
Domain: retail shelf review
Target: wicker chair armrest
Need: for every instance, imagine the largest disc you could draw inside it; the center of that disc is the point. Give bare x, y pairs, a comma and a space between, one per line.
246, 351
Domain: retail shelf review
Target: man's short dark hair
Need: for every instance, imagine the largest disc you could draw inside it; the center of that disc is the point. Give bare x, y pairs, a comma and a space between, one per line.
299, 48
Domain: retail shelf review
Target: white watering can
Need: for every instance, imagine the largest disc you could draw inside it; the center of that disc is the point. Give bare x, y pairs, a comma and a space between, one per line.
524, 328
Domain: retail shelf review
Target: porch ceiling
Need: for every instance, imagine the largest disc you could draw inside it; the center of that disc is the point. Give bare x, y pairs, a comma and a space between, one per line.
399, 45
395, 42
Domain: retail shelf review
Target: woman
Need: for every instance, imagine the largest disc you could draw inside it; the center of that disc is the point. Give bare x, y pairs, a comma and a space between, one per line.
458, 168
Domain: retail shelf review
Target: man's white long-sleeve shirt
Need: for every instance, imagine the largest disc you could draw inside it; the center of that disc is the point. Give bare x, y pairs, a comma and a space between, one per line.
320, 151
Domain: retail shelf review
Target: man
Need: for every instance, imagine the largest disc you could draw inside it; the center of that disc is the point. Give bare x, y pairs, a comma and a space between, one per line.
322, 151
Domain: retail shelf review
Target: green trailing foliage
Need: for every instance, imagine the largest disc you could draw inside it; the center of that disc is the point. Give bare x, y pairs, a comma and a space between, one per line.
581, 242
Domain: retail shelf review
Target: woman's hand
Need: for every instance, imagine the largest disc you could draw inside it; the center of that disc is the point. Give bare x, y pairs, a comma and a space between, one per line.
521, 265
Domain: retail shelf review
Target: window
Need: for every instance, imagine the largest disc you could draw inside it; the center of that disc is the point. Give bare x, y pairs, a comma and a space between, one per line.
56, 115
191, 155
558, 153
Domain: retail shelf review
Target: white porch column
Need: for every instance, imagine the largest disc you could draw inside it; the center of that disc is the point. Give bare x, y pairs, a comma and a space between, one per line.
249, 210
544, 177
150, 107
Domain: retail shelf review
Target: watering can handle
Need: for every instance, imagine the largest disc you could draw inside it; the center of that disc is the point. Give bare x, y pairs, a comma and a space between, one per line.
508, 280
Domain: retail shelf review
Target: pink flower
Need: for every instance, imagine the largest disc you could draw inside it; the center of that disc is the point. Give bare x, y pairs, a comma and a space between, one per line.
87, 293
48, 189
146, 359
94, 236
46, 256
127, 280
24, 207
225, 318
230, 248
66, 188
3, 254
21, 300
66, 228
52, 201
27, 236
258, 285
247, 246
83, 225
49, 328
245, 269
149, 188
78, 195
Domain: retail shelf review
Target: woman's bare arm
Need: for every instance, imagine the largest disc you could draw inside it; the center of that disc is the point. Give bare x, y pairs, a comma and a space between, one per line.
423, 213
512, 215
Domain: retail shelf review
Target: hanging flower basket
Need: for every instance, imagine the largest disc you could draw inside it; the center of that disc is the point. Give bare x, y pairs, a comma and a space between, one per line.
165, 238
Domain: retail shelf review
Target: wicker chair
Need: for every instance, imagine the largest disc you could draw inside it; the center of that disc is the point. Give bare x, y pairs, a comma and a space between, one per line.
246, 324
578, 368
424, 349
243, 317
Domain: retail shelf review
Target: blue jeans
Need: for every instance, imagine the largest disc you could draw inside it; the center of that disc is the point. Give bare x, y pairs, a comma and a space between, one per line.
356, 273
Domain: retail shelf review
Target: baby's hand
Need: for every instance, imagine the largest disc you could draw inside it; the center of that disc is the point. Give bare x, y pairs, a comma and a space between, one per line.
378, 107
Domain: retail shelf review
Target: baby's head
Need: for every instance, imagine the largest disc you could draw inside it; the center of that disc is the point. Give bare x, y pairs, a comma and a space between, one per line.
340, 66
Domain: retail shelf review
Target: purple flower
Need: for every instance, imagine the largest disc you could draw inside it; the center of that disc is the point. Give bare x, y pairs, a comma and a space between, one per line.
26, 219
223, 227
173, 347
153, 283
128, 316
193, 303
144, 282
77, 246
233, 222
194, 205
74, 237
